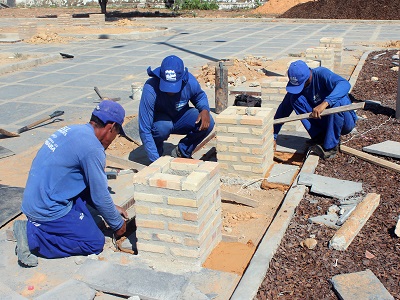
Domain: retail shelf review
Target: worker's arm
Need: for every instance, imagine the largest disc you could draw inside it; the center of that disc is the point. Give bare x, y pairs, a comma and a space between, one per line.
317, 111
93, 165
146, 118
200, 100
337, 86
284, 110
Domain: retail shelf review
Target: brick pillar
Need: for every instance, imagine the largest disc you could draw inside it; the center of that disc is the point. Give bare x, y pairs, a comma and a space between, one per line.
27, 30
178, 209
273, 90
245, 141
323, 54
337, 45
97, 19
64, 20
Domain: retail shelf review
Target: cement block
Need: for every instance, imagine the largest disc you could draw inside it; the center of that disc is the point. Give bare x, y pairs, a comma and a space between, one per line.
397, 229
327, 186
360, 285
131, 281
71, 289
345, 235
387, 148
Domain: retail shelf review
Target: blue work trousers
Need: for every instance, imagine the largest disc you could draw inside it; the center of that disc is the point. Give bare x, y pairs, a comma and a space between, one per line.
332, 126
184, 123
74, 234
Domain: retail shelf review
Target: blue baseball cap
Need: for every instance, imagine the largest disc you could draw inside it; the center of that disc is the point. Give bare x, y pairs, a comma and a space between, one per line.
171, 74
298, 74
110, 111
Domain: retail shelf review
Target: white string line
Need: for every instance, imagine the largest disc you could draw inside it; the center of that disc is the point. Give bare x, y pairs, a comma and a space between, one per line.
255, 180
361, 134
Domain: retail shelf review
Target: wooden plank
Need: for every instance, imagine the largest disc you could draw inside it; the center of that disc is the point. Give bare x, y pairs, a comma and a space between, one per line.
370, 158
228, 196
326, 112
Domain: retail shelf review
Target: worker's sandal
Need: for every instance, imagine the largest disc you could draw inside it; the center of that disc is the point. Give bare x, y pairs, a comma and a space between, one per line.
25, 257
322, 153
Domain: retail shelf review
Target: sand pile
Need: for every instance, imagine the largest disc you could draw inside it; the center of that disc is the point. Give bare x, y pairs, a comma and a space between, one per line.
277, 6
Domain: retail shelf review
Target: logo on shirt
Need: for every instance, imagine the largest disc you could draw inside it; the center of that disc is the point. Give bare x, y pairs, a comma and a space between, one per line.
81, 216
170, 75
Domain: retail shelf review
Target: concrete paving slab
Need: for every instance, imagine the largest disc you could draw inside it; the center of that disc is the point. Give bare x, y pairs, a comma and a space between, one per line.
360, 285
292, 142
327, 186
4, 152
10, 202
7, 293
282, 174
131, 281
387, 148
9, 38
71, 289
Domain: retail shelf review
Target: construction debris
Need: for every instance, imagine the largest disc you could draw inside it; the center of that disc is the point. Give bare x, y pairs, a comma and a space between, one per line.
345, 235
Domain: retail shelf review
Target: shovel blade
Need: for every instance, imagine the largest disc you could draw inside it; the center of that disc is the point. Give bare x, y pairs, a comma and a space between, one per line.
8, 133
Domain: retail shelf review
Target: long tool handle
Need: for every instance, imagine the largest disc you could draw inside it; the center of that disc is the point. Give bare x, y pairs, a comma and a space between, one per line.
98, 92
326, 112
53, 115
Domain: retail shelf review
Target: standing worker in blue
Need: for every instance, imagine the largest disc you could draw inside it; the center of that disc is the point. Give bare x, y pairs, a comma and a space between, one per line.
312, 91
68, 172
164, 109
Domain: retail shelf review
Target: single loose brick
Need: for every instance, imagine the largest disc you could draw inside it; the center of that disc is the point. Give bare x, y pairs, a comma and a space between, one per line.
194, 181
163, 163
184, 164
143, 175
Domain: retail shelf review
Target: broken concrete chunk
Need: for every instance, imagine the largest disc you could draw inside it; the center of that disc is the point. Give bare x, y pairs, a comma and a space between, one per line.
397, 229
387, 148
345, 235
360, 285
345, 215
309, 243
327, 220
328, 186
71, 289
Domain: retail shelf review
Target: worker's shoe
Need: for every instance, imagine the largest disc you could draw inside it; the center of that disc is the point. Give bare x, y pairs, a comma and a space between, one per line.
176, 152
323, 153
25, 257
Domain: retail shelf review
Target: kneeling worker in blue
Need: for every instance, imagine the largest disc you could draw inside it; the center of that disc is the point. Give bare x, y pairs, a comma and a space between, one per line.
66, 174
164, 109
312, 91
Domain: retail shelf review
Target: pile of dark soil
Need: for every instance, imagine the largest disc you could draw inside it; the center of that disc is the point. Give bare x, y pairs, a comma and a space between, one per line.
298, 273
344, 9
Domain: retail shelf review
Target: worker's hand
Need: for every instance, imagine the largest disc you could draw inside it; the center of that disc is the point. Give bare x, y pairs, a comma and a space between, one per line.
316, 113
122, 212
204, 118
118, 233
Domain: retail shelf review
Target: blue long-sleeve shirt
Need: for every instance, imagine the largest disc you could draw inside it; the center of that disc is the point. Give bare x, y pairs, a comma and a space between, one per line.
154, 101
325, 86
71, 160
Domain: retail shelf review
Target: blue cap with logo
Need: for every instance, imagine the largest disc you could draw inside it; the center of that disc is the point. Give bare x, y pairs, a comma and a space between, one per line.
298, 74
110, 111
171, 74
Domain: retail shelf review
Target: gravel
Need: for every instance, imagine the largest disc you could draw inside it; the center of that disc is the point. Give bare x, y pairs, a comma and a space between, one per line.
298, 273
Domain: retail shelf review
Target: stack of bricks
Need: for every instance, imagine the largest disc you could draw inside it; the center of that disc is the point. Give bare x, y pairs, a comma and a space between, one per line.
178, 209
27, 30
97, 19
64, 20
337, 45
245, 141
323, 54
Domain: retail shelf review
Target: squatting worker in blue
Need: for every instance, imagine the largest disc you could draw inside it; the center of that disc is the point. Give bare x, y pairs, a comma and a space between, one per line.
164, 109
68, 172
312, 91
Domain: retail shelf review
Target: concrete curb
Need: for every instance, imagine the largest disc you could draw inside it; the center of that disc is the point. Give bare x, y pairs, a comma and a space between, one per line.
30, 63
357, 69
259, 264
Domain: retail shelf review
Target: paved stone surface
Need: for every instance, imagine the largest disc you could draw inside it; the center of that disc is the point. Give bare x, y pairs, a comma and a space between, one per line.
8, 294
388, 148
360, 285
328, 186
71, 289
